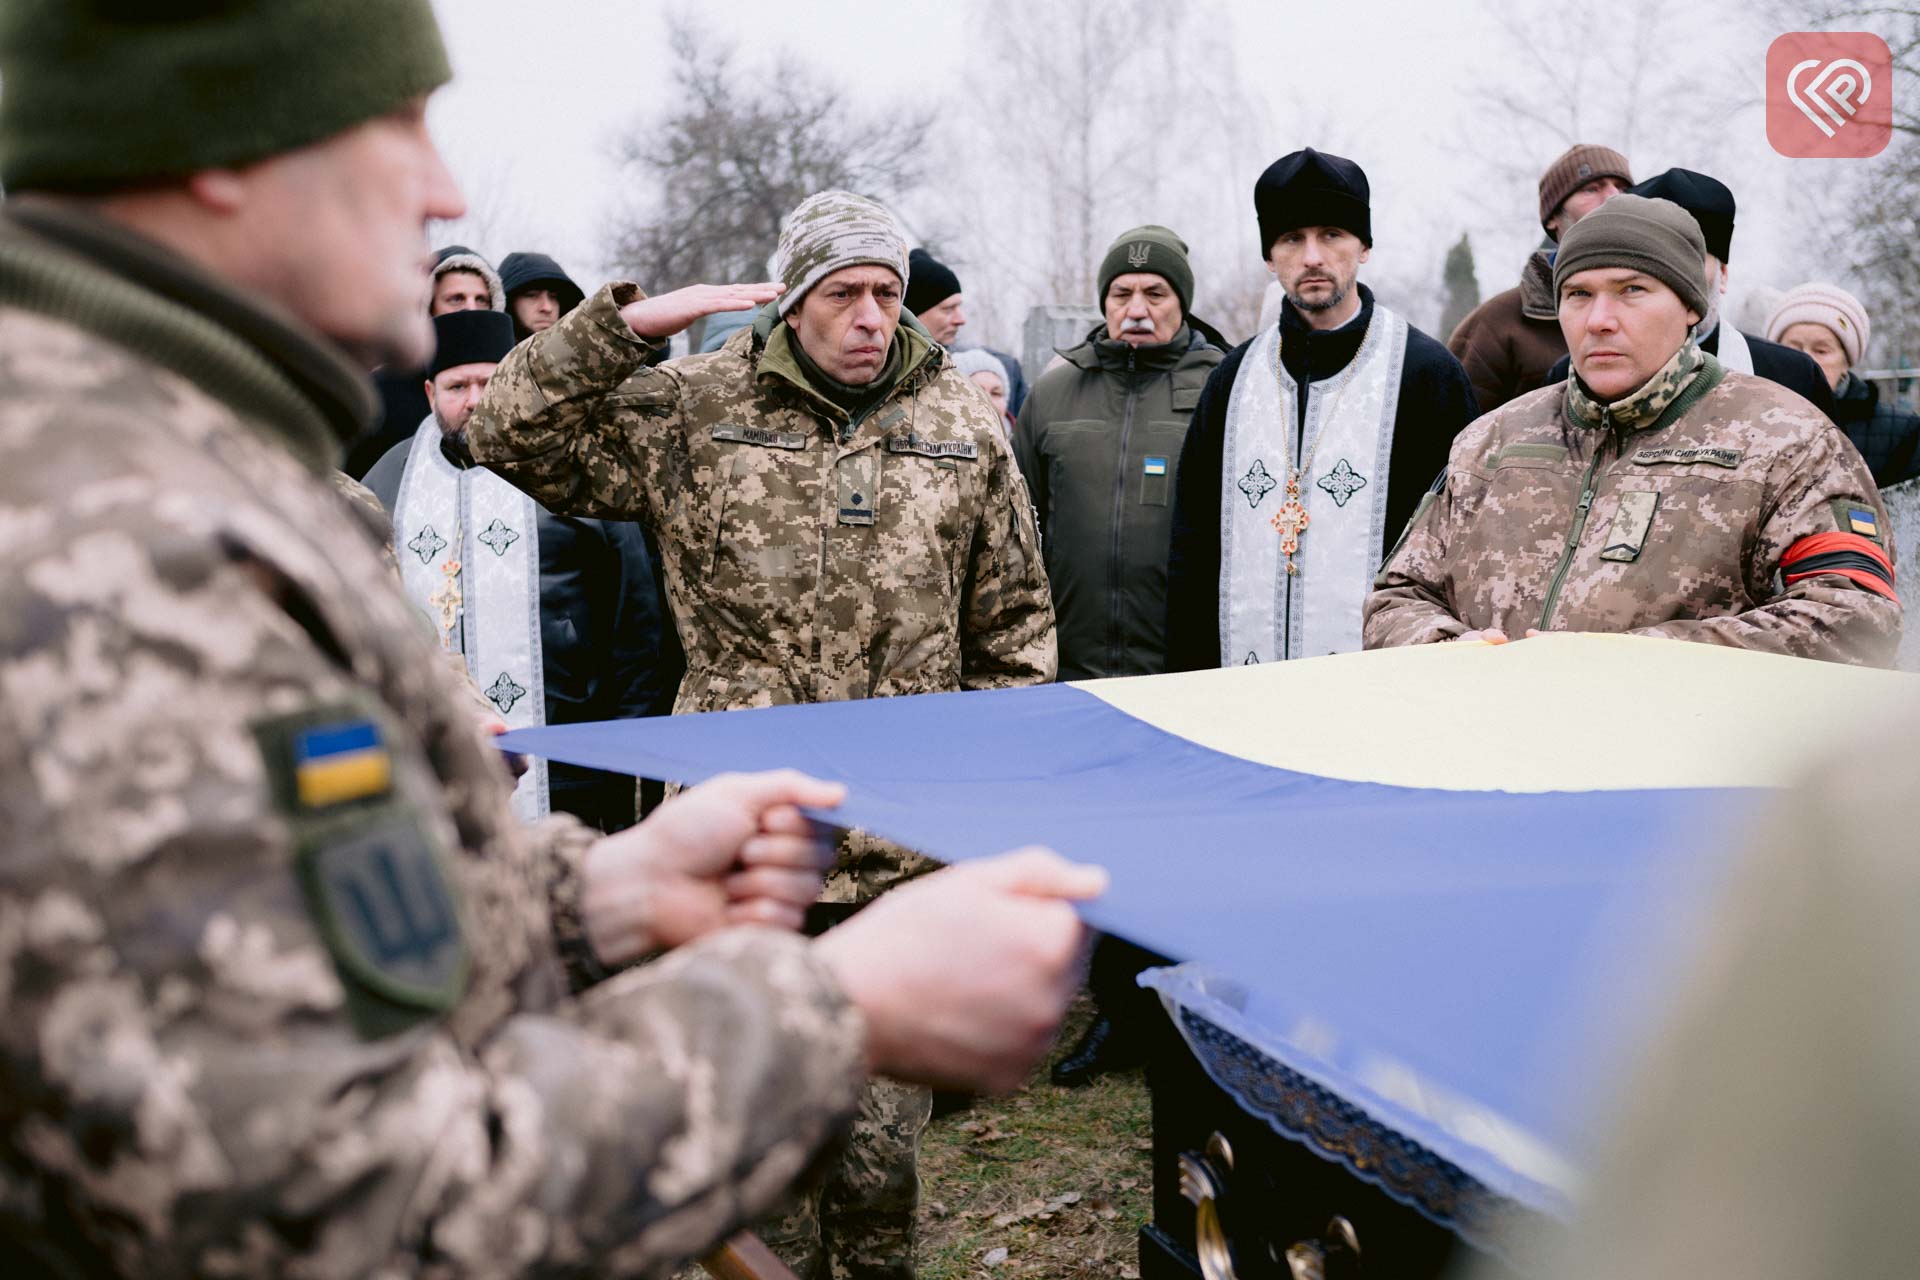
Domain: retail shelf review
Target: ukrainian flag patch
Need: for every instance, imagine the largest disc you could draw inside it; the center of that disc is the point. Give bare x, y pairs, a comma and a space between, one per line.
335, 763
1861, 520
1156, 466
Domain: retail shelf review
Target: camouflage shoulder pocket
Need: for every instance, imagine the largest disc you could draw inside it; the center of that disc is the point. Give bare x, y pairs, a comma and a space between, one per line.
375, 879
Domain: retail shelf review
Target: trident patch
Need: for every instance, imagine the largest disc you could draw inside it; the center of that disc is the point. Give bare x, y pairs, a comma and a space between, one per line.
1137, 254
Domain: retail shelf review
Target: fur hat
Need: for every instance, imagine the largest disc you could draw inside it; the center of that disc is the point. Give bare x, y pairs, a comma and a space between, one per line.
457, 257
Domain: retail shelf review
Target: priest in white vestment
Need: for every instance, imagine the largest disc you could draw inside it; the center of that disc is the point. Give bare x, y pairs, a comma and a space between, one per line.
1312, 442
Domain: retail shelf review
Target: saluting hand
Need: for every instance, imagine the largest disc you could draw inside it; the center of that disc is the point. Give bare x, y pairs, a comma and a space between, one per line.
671, 312
734, 850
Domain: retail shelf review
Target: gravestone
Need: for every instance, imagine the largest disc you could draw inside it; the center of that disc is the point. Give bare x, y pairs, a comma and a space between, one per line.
1051, 326
1903, 511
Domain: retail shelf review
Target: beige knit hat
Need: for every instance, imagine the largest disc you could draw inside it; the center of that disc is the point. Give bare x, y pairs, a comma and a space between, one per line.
1826, 304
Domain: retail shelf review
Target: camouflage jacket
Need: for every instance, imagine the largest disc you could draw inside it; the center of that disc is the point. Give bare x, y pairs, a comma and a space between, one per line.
1709, 506
253, 835
808, 558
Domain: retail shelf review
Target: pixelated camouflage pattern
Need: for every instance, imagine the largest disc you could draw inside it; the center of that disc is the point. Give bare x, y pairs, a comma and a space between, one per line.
858, 1223
186, 1094
1766, 470
367, 510
740, 471
1643, 408
834, 229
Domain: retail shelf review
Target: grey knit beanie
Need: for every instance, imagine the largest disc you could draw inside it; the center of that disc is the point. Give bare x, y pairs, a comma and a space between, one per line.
1654, 236
831, 230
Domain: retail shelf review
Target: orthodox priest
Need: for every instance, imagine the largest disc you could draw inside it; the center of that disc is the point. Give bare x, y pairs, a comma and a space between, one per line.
1312, 442
558, 618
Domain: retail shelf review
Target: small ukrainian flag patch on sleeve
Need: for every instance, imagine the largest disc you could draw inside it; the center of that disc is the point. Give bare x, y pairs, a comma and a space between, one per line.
1862, 521
1156, 466
335, 763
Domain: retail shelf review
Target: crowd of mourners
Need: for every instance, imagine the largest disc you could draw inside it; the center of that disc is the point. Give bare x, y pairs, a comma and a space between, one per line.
303, 976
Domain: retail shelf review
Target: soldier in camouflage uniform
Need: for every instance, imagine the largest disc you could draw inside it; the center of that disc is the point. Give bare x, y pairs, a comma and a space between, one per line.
253, 831
1656, 493
839, 516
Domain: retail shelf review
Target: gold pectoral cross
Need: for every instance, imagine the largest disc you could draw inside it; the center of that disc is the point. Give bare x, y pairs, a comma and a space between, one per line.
447, 601
1290, 521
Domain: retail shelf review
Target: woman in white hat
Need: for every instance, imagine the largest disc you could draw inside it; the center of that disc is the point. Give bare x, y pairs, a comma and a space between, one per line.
1829, 324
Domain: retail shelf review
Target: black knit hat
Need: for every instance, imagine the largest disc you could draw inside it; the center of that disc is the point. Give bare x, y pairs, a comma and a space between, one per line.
929, 282
1311, 189
1707, 199
101, 94
469, 337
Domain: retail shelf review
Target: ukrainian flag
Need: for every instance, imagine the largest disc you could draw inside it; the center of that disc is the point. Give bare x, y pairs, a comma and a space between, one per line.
1440, 880
335, 763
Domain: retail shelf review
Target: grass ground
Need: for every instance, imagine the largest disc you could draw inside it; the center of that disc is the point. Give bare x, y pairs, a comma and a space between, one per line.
1048, 1182
1045, 1184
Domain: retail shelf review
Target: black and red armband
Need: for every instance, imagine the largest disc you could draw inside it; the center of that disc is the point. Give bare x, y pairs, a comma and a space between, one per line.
1852, 556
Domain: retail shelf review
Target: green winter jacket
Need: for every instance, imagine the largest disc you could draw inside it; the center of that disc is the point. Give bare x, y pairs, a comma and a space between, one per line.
1099, 442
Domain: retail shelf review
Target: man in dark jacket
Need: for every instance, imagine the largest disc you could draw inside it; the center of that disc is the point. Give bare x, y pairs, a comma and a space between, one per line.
538, 292
604, 646
1339, 418
1099, 441
934, 297
1712, 206
1509, 342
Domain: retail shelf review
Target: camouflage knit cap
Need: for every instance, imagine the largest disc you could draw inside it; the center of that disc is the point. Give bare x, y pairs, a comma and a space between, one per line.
831, 230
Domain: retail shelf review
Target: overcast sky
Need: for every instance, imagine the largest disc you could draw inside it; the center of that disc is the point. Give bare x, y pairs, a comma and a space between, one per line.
1398, 85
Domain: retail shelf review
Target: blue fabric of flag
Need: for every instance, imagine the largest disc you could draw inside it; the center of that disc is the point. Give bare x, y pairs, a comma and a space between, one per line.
1464, 935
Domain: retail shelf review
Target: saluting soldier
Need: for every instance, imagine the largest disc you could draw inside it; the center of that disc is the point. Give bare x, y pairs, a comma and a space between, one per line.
839, 516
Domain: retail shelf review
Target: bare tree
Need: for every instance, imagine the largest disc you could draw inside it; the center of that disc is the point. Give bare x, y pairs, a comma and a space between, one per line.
1641, 76
1863, 217
1084, 118
736, 151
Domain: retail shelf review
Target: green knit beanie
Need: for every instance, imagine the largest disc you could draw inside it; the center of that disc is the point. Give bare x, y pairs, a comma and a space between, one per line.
1149, 248
100, 94
1654, 236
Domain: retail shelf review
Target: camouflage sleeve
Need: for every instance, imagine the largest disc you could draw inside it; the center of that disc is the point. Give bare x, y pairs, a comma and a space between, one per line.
1006, 619
370, 515
1823, 564
228, 1042
571, 415
1409, 603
